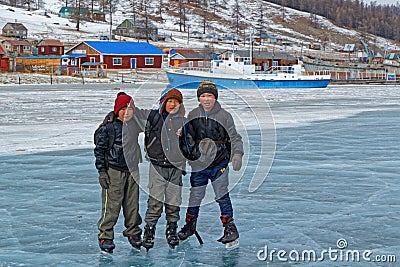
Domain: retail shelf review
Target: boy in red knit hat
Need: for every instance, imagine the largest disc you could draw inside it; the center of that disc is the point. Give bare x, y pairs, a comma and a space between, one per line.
117, 145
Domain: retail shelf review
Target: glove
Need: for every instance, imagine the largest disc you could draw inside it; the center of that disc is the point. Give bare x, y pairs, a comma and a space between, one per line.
104, 180
236, 162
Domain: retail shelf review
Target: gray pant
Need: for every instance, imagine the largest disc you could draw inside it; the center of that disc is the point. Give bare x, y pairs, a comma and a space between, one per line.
123, 192
165, 189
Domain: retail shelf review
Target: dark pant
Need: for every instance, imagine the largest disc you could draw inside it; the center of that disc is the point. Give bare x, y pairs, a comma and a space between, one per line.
218, 175
165, 189
123, 192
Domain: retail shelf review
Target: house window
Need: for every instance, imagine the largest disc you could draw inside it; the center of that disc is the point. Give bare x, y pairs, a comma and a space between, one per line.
149, 61
54, 49
42, 49
200, 63
190, 64
26, 47
117, 61
93, 59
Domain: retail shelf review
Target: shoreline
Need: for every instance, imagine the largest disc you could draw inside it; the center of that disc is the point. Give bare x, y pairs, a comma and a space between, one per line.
8, 79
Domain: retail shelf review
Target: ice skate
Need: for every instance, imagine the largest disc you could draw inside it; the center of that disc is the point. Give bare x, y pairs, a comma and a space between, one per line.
171, 235
106, 246
189, 228
148, 237
231, 234
135, 241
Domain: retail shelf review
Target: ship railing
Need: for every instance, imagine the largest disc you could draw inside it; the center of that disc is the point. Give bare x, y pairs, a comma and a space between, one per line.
182, 69
291, 70
277, 69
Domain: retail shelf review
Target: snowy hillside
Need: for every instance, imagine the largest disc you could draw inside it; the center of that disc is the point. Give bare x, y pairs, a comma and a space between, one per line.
43, 24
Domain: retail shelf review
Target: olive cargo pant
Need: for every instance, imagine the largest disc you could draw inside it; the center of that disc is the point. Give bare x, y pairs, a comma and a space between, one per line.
165, 189
122, 192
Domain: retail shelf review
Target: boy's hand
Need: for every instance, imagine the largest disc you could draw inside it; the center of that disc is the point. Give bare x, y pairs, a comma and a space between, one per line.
236, 162
104, 180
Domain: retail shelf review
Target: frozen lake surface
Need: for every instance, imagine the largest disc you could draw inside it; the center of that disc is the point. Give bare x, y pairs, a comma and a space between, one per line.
333, 185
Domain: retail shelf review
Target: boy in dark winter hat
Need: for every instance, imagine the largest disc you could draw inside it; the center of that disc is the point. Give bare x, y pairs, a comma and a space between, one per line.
116, 146
207, 86
165, 134
216, 144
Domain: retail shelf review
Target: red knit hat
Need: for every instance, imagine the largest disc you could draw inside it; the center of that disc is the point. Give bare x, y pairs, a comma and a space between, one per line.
123, 100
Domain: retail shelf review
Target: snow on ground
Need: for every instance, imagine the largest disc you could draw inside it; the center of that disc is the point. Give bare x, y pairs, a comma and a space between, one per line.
49, 25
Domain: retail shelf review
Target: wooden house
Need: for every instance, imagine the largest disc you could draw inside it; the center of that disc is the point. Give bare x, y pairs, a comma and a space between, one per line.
137, 29
212, 37
348, 48
119, 55
196, 34
264, 36
16, 30
17, 47
98, 15
50, 47
70, 12
188, 58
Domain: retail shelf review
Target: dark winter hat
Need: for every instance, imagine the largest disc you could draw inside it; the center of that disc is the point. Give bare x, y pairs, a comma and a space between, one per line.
123, 100
207, 86
172, 93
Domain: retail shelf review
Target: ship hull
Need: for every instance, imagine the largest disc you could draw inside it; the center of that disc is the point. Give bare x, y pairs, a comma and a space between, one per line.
187, 81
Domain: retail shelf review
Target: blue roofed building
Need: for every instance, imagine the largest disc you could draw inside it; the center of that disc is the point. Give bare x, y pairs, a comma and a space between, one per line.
119, 55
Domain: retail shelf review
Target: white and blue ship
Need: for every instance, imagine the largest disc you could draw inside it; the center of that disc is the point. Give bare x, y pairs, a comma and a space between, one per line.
239, 75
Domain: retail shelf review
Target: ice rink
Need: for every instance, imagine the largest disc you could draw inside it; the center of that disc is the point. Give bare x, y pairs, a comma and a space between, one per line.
320, 187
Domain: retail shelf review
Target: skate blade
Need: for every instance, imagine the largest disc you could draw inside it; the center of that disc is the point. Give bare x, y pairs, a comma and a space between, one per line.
232, 245
183, 241
105, 252
136, 249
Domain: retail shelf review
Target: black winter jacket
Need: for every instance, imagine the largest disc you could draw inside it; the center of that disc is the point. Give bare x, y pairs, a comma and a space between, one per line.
125, 154
163, 144
217, 125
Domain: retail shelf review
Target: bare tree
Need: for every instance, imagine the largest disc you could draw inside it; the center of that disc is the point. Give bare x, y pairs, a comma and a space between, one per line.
39, 4
28, 3
237, 15
205, 16
182, 15
77, 14
261, 23
160, 9
112, 7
